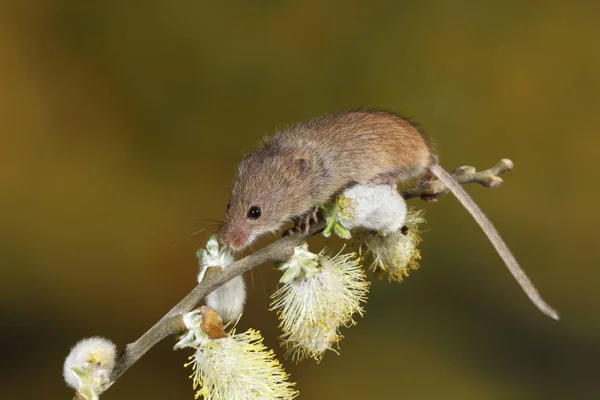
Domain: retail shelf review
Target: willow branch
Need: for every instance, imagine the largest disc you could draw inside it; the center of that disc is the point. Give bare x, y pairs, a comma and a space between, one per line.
464, 174
280, 250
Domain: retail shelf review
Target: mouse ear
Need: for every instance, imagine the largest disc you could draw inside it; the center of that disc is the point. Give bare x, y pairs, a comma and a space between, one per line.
296, 167
301, 165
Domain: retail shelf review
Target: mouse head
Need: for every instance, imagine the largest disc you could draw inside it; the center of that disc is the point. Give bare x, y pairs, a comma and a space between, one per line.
270, 188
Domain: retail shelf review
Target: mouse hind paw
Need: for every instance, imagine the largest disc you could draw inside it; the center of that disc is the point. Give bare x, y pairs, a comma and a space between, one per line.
390, 179
426, 182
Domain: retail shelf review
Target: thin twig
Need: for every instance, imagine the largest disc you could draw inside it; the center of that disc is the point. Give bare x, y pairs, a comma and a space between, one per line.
464, 174
172, 323
280, 250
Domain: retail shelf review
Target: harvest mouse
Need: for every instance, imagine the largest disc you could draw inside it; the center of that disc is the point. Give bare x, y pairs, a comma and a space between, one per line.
307, 164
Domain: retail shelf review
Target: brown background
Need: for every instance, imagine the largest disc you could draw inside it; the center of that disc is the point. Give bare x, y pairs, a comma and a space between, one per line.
121, 124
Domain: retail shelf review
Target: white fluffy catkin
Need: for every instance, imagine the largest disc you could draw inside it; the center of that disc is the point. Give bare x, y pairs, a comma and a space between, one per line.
88, 366
377, 208
228, 300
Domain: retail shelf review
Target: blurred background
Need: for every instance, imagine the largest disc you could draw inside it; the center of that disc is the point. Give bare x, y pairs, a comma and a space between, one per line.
121, 125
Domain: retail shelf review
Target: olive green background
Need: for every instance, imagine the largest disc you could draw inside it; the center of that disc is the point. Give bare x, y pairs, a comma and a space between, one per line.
121, 124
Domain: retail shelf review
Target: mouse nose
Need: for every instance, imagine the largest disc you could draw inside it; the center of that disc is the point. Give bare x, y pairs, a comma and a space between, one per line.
235, 238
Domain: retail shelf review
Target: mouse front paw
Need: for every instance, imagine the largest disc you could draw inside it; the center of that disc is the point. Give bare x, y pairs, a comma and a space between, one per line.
303, 222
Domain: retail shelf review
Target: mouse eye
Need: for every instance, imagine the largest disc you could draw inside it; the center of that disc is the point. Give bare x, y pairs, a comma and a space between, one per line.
228, 206
254, 212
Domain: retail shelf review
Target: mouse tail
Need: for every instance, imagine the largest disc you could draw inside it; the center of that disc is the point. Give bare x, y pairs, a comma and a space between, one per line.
494, 237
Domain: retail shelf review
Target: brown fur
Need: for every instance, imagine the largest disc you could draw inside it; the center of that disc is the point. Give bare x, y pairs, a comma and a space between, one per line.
310, 162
